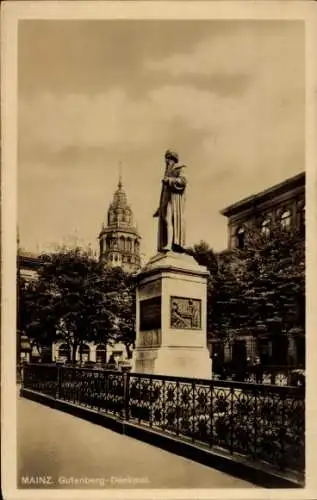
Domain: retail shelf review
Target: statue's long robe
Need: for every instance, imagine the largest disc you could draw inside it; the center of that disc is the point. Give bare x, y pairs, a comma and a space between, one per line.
171, 230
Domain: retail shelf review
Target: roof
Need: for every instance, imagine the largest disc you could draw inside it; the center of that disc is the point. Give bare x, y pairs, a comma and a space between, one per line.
256, 199
29, 261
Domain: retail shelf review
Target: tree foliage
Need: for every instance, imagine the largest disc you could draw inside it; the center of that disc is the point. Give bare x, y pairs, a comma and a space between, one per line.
260, 288
273, 280
77, 300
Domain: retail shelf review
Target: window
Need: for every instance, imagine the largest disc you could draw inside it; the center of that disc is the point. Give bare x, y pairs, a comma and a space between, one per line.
240, 237
300, 349
265, 227
302, 217
127, 217
117, 353
63, 352
285, 219
101, 354
84, 352
239, 353
280, 351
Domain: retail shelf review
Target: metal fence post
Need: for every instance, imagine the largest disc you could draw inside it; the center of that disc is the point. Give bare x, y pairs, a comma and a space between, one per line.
22, 375
126, 384
58, 388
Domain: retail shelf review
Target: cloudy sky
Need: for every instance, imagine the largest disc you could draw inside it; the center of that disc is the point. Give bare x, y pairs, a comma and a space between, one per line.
228, 96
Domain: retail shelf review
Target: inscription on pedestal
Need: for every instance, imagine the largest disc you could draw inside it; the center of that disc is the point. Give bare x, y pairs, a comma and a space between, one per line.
150, 314
185, 313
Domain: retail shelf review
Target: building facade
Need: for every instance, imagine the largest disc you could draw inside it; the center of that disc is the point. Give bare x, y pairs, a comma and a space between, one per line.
284, 202
28, 265
90, 353
119, 240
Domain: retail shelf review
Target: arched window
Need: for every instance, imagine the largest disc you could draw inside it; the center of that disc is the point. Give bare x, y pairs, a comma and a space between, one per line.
84, 352
101, 353
110, 217
285, 219
63, 352
240, 237
265, 227
121, 244
127, 216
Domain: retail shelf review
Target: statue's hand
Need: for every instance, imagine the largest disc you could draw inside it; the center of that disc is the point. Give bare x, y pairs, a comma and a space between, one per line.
156, 214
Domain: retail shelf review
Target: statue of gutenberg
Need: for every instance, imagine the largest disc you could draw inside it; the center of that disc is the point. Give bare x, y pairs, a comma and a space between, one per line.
171, 224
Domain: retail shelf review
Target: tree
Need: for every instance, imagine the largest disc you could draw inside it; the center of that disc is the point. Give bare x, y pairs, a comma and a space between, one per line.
77, 300
121, 303
274, 281
257, 289
223, 290
205, 256
34, 314
68, 298
260, 289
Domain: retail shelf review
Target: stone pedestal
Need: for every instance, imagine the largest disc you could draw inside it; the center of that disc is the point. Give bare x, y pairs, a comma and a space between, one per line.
171, 337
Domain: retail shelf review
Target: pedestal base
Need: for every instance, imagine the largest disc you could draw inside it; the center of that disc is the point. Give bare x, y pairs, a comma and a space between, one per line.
171, 316
174, 361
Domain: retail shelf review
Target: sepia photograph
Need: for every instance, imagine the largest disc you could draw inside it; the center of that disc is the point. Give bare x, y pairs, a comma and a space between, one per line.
158, 239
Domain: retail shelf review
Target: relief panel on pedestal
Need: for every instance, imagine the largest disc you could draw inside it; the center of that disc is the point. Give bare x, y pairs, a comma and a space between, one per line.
185, 313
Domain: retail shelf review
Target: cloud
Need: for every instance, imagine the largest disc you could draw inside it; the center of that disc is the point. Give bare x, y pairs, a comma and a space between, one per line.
210, 56
239, 92
266, 124
232, 105
238, 51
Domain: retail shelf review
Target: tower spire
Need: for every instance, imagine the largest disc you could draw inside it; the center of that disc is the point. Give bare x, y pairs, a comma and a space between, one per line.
120, 175
119, 239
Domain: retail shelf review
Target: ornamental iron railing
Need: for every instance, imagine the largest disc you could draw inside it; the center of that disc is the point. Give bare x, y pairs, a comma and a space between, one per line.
261, 423
259, 374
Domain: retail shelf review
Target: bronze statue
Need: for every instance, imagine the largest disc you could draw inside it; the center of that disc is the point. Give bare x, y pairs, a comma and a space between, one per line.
171, 224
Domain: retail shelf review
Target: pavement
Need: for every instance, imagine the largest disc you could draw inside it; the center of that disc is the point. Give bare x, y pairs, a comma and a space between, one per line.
58, 450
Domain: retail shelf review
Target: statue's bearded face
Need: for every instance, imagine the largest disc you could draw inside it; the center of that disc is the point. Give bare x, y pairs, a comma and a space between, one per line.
170, 161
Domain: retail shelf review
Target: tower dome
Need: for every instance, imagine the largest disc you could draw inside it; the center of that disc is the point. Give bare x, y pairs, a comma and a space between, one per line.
119, 239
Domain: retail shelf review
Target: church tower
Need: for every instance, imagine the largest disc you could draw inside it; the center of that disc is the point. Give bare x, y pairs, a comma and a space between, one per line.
119, 239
